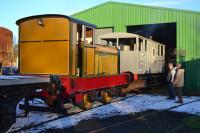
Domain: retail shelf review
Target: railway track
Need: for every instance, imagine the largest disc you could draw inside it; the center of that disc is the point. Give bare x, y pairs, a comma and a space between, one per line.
99, 105
71, 113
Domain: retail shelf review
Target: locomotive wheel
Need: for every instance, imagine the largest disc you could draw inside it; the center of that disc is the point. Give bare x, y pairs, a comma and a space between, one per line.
87, 101
106, 97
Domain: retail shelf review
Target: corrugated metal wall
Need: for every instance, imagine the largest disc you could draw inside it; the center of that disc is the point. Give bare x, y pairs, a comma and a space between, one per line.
120, 15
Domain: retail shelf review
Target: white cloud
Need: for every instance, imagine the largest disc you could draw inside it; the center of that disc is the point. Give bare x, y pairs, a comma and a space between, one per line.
166, 2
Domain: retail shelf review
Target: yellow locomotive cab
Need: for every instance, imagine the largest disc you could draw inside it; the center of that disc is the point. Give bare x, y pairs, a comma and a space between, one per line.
58, 44
44, 46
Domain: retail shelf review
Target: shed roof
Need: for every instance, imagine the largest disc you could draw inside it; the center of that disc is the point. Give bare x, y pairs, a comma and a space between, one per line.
137, 5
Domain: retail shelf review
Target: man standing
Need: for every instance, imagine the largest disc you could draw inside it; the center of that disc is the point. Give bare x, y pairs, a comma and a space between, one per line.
179, 82
170, 80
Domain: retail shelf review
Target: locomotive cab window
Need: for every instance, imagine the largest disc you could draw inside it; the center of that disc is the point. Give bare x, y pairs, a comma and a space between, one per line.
89, 36
161, 50
80, 38
145, 47
140, 44
132, 44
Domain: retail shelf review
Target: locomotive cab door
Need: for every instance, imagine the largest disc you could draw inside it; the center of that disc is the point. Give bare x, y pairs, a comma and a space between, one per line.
76, 42
82, 50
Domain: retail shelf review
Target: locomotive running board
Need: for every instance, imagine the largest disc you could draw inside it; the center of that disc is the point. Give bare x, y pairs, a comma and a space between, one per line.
43, 109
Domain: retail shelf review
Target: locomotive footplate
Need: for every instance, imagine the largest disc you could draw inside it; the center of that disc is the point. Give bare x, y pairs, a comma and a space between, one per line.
12, 90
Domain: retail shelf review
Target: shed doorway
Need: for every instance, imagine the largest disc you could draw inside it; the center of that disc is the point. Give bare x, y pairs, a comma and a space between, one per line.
164, 33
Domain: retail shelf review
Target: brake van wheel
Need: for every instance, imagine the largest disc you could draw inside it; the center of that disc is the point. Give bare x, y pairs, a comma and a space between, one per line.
87, 101
106, 97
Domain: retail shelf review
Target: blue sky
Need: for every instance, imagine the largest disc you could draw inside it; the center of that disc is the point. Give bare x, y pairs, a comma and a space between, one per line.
12, 10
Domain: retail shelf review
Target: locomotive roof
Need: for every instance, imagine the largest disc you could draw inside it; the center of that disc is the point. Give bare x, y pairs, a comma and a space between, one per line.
56, 16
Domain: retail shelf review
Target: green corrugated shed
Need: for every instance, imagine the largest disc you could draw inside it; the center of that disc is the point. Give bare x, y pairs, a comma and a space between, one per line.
119, 15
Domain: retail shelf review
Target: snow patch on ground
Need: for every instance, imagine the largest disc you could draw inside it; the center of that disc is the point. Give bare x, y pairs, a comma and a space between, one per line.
133, 104
193, 108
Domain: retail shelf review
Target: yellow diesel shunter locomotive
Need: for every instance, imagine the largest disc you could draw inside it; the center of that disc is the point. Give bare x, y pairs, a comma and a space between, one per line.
64, 46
